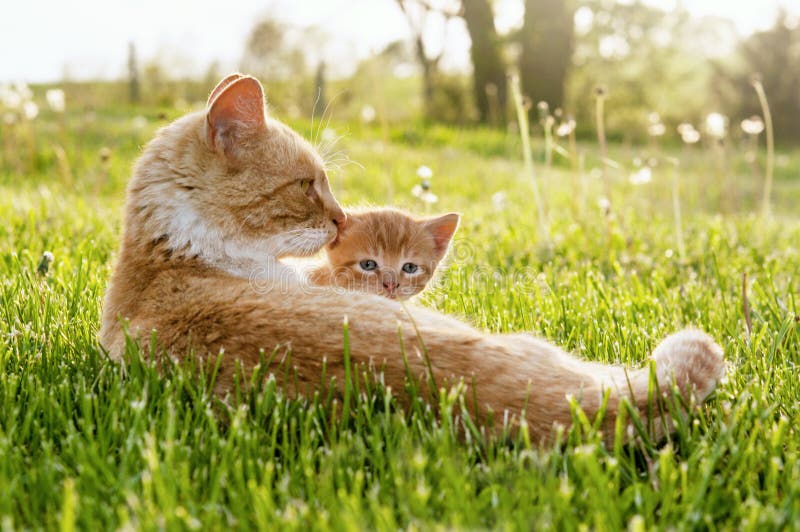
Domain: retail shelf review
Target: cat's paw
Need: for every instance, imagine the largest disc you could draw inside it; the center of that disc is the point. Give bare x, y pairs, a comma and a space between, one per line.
692, 359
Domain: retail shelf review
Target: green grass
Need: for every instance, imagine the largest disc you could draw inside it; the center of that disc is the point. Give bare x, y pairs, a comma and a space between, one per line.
87, 443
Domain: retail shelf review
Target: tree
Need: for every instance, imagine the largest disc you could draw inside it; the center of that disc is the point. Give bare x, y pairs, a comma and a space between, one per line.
773, 55
271, 54
546, 50
419, 14
649, 60
489, 77
133, 74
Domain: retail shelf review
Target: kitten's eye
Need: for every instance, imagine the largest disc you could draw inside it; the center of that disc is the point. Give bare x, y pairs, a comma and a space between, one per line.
368, 265
305, 184
410, 267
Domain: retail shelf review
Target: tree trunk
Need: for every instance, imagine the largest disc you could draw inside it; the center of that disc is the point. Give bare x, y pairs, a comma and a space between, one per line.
547, 42
429, 67
489, 77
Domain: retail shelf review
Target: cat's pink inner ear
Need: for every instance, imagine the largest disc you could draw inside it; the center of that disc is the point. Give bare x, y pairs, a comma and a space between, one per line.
442, 229
237, 111
221, 85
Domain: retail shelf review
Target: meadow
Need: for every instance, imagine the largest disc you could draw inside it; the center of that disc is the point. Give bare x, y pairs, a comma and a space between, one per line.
86, 443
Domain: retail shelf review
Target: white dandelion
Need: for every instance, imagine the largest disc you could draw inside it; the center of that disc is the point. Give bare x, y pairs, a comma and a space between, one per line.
717, 125
328, 135
566, 127
368, 114
753, 125
139, 122
424, 194
30, 110
10, 98
689, 135
55, 99
641, 176
499, 200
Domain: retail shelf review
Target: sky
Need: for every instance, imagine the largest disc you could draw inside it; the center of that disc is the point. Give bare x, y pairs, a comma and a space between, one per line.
46, 40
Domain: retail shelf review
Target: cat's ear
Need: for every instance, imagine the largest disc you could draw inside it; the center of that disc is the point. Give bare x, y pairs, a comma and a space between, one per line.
221, 85
235, 112
442, 228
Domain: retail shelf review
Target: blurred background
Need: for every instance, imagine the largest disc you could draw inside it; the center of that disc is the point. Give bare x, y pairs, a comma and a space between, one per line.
661, 62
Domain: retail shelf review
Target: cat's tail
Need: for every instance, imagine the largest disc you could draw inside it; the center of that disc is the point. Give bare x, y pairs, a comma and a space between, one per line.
689, 360
692, 360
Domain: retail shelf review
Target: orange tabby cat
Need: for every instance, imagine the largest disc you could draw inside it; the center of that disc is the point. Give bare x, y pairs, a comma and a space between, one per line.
386, 252
219, 196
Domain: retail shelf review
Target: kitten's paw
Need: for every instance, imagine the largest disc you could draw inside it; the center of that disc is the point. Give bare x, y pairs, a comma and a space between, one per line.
693, 359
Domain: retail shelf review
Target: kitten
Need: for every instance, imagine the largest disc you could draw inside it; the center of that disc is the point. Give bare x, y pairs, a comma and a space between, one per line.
386, 252
219, 196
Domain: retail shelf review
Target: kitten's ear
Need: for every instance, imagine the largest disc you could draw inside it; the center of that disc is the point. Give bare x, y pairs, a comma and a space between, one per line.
442, 229
235, 111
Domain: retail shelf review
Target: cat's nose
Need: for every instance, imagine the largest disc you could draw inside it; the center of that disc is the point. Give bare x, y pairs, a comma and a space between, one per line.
339, 219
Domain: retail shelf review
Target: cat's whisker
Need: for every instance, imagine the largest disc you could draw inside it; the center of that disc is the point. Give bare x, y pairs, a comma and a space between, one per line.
313, 112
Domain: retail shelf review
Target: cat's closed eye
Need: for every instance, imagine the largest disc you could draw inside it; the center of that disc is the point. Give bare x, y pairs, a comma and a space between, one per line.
305, 185
368, 265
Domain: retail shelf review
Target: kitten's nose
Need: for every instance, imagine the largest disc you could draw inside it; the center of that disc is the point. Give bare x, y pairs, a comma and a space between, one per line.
390, 286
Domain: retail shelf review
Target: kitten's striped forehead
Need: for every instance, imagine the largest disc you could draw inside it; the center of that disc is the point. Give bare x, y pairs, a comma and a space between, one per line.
388, 231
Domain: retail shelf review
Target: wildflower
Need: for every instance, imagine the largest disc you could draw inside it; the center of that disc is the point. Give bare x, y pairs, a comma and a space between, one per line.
44, 263
423, 192
10, 98
544, 110
689, 135
30, 110
656, 127
753, 125
642, 176
566, 127
424, 172
24, 91
328, 135
368, 114
717, 125
656, 130
105, 154
55, 99
139, 122
499, 200
604, 203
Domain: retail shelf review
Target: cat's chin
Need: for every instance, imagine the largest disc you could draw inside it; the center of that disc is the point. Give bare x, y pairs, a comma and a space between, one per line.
305, 243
